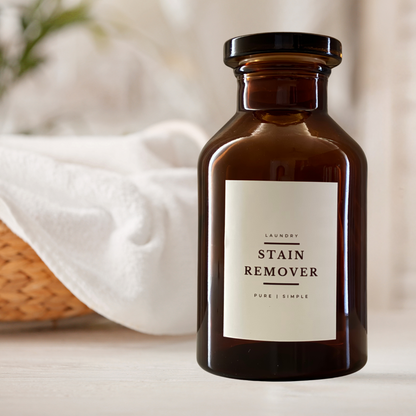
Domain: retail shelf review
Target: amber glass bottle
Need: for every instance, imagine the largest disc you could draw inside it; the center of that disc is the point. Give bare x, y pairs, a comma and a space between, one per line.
282, 217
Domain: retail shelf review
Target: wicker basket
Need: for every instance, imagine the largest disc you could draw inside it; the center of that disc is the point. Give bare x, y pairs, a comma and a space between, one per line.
28, 289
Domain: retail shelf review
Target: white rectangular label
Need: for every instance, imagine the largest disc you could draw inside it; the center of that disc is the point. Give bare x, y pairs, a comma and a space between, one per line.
280, 268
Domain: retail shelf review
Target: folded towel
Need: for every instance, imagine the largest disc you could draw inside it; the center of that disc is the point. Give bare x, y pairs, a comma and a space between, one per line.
115, 219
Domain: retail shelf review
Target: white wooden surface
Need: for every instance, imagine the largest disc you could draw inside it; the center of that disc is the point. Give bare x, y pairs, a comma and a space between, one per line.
103, 369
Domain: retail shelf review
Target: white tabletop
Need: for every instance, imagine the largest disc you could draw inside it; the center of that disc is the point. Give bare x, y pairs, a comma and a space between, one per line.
99, 368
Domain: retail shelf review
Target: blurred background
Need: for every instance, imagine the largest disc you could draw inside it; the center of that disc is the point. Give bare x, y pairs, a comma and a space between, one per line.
112, 67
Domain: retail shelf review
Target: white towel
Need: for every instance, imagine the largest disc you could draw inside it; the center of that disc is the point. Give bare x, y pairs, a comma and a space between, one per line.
115, 219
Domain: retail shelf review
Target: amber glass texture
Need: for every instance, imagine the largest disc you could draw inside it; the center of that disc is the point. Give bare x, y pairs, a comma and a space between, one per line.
282, 132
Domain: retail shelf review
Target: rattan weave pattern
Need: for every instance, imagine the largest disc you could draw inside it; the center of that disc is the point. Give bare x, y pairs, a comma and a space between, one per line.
29, 291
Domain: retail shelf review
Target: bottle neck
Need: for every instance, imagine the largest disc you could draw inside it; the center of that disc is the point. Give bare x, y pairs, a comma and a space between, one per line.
285, 88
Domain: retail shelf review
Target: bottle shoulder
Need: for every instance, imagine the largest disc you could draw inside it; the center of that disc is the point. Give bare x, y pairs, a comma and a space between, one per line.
332, 131
279, 135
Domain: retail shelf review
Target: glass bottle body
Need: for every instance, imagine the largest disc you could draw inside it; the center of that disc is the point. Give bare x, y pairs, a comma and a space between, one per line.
282, 132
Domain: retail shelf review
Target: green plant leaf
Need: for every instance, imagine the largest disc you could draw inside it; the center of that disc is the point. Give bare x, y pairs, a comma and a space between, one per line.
30, 62
38, 20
